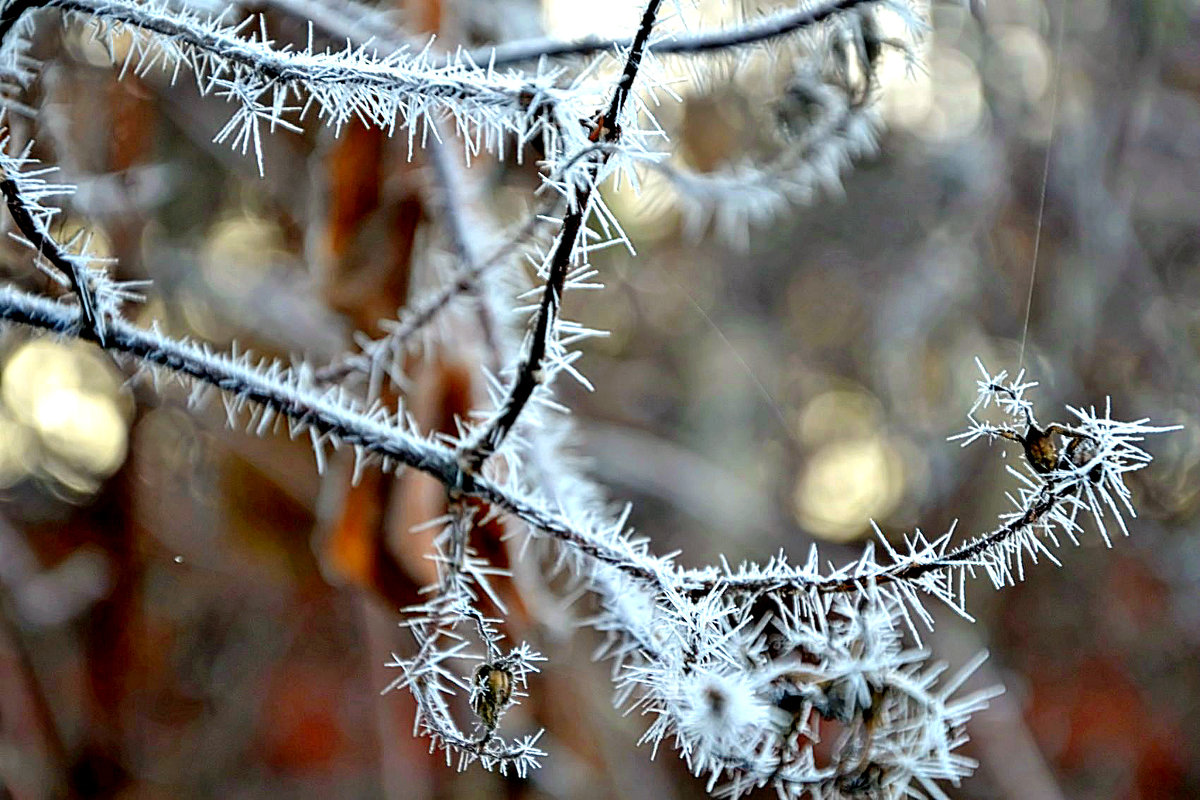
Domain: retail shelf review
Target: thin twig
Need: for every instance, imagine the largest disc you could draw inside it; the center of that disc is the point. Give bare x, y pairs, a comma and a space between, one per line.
35, 232
531, 371
908, 571
510, 54
448, 178
419, 314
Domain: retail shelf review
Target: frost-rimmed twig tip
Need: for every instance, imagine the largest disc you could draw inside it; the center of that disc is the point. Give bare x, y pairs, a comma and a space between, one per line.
72, 263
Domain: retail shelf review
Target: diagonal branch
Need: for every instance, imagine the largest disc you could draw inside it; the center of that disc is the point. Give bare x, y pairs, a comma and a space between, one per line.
531, 371
330, 417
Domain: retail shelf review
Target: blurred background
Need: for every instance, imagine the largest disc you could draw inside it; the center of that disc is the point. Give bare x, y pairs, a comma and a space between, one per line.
190, 611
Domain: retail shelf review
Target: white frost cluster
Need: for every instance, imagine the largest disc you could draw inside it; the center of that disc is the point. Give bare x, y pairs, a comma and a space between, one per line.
742, 196
823, 119
276, 87
747, 694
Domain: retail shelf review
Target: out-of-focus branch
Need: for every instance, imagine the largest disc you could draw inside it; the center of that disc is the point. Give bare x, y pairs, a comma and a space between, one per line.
56, 751
761, 30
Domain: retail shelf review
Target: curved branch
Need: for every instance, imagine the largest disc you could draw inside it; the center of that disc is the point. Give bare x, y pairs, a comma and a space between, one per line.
762, 30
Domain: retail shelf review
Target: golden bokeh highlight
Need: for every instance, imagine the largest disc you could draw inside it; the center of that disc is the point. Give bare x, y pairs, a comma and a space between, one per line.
43, 366
83, 428
62, 416
855, 472
846, 485
839, 413
239, 249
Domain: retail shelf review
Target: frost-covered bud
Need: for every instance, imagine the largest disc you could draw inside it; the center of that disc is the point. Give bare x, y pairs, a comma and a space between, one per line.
722, 712
1081, 452
844, 698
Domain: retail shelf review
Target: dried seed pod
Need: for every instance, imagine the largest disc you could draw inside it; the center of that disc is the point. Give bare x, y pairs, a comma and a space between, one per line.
1040, 449
491, 693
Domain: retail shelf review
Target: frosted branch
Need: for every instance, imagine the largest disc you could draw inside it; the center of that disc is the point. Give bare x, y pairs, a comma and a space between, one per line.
780, 24
269, 84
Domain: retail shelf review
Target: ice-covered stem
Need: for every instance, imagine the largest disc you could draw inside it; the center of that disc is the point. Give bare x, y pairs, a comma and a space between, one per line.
509, 54
282, 391
531, 370
1059, 485
1095, 486
34, 230
703, 662
331, 417
260, 57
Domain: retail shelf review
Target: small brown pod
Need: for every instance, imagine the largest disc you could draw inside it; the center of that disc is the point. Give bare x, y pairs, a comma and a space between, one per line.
1040, 450
492, 693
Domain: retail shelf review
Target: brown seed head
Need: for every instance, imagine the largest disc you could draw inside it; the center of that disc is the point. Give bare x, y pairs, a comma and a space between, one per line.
492, 694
